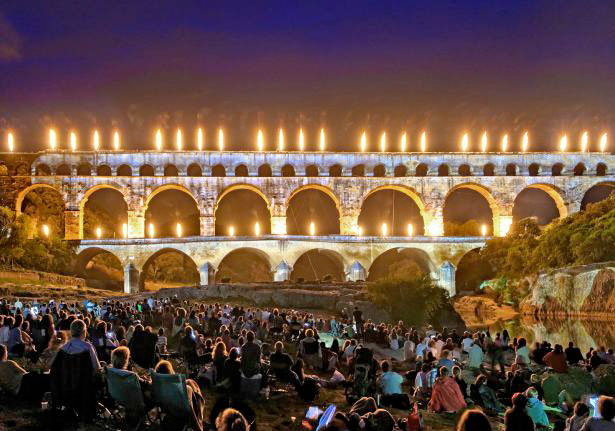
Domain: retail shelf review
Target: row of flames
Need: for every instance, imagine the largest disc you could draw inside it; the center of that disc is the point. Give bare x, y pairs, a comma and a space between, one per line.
322, 141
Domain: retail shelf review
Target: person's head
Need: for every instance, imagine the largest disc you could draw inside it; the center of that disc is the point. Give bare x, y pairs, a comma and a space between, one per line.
78, 329
231, 420
233, 354
4, 353
480, 379
581, 409
250, 337
473, 420
531, 393
519, 401
279, 347
559, 348
443, 372
309, 333
456, 371
164, 367
606, 408
161, 332
385, 366
120, 357
522, 342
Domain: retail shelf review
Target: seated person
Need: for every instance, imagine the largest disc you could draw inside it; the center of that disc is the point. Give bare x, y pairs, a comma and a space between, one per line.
485, 394
390, 385
281, 364
18, 382
310, 350
231, 420
423, 383
463, 386
120, 358
556, 359
161, 341
446, 396
77, 343
445, 361
536, 409
250, 356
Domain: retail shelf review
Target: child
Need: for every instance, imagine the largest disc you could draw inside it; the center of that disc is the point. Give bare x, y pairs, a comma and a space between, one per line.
161, 343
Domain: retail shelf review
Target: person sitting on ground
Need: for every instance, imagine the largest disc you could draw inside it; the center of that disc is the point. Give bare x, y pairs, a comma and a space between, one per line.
577, 420
606, 408
390, 384
310, 350
522, 354
18, 382
231, 420
281, 364
536, 409
195, 398
77, 343
232, 372
516, 417
488, 397
556, 359
473, 420
446, 395
161, 341
445, 361
250, 356
573, 354
463, 386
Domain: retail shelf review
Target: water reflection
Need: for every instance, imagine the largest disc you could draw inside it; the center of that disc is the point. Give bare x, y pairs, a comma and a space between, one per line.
584, 333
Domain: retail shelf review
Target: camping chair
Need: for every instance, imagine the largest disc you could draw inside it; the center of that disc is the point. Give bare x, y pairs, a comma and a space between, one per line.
72, 384
125, 389
171, 396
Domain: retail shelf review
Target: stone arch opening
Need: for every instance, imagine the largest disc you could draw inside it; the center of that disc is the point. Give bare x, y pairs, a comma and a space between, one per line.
84, 170
124, 171
100, 268
241, 171
489, 170
579, 170
288, 171
511, 170
194, 170
4, 169
421, 170
218, 171
169, 205
597, 193
42, 170
379, 171
146, 171
265, 170
443, 170
335, 171
467, 208
358, 171
398, 207
400, 263
465, 170
22, 169
238, 211
601, 169
557, 169
168, 267
312, 205
103, 171
400, 171
311, 171
244, 265
171, 171
534, 170
63, 169
319, 264
103, 207
537, 203
472, 270
45, 205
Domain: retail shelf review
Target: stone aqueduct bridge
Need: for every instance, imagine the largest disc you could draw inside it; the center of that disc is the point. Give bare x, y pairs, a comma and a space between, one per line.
348, 178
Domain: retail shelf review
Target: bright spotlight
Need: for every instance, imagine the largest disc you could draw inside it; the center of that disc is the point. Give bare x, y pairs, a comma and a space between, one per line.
220, 139
484, 142
151, 230
525, 142
125, 230
178, 230
322, 139
301, 140
73, 141
178, 140
199, 139
383, 142
363, 142
312, 229
260, 143
159, 139
53, 139
281, 139
257, 229
384, 229
465, 142
403, 142
483, 230
410, 229
603, 142
45, 230
10, 143
98, 232
505, 142
424, 142
231, 231
116, 140
563, 143
584, 141
96, 140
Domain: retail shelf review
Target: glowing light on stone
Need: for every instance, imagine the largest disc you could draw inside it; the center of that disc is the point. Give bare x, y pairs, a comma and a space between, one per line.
53, 139
260, 142
159, 139
116, 140
603, 142
360, 230
199, 139
312, 229
505, 224
280, 140
563, 143
73, 141
322, 139
45, 230
151, 230
483, 230
125, 230
98, 232
10, 142
505, 142
220, 140
383, 142
403, 142
301, 140
257, 229
178, 230
363, 142
410, 229
231, 231
178, 140
525, 142
465, 142
424, 142
584, 141
484, 142
384, 229
96, 140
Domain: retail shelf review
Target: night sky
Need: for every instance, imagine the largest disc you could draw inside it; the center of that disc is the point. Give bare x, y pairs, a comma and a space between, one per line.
346, 65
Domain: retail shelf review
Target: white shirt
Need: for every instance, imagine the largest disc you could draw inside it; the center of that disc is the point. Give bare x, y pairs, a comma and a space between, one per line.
467, 344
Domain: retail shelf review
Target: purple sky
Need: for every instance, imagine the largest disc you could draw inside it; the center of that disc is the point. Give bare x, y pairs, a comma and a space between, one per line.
347, 65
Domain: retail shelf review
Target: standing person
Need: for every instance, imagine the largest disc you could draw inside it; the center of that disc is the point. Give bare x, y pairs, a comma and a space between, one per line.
250, 356
516, 418
358, 320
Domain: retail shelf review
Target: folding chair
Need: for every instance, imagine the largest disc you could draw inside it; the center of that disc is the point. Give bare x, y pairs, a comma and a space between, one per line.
125, 389
171, 396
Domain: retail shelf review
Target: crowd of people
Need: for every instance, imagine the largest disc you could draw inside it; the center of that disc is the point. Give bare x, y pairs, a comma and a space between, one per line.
233, 354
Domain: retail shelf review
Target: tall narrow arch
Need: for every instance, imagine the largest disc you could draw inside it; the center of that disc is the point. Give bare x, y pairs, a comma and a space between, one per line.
443, 170
218, 171
171, 171
312, 208
311, 171
194, 170
358, 171
335, 171
103, 171
380, 170
400, 171
146, 171
241, 171
264, 170
288, 170
124, 171
421, 170
397, 206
